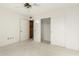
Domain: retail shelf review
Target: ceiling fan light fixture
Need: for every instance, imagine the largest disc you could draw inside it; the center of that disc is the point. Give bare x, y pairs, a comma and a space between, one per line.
27, 5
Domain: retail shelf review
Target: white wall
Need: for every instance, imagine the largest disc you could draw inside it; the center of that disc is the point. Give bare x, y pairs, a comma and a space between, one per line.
37, 30
58, 28
64, 27
9, 26
72, 28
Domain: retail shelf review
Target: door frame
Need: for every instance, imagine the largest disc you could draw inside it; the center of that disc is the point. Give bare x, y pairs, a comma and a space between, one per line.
49, 29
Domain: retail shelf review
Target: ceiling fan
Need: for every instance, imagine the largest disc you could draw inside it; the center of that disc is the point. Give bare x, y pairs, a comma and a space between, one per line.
29, 5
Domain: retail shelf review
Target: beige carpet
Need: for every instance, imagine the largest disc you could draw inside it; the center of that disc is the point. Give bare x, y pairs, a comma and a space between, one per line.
31, 48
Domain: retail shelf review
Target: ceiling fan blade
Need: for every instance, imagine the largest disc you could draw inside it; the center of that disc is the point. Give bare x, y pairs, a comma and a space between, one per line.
34, 4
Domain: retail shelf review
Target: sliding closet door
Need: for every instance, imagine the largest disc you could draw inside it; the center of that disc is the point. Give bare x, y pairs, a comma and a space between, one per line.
45, 30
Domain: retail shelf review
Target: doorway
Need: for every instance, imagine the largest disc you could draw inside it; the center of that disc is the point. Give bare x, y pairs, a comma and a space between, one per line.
45, 30
31, 31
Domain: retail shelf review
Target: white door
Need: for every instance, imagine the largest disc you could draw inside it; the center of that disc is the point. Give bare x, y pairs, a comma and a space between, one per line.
24, 29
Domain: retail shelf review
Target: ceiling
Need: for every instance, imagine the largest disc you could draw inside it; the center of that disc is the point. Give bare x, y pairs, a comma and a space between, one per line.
40, 8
